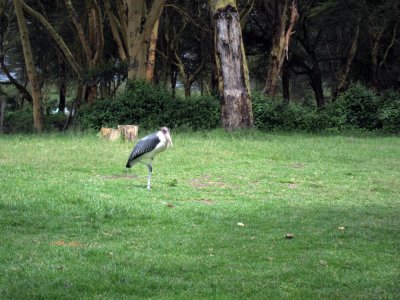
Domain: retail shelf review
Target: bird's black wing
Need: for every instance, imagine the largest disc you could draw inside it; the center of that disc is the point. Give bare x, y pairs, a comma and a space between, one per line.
143, 146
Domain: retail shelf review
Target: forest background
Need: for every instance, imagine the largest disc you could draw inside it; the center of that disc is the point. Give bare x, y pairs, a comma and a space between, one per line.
291, 65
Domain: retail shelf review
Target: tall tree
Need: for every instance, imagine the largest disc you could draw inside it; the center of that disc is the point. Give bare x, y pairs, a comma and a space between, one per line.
132, 28
280, 42
92, 40
141, 22
7, 44
232, 70
30, 66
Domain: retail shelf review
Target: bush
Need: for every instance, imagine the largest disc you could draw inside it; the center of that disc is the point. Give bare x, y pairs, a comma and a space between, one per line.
150, 107
389, 113
21, 121
356, 107
275, 113
196, 113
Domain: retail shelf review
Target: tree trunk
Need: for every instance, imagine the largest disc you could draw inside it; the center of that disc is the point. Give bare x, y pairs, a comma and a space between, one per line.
140, 26
92, 41
344, 72
57, 39
30, 67
280, 43
174, 79
286, 82
62, 86
316, 84
116, 33
232, 71
188, 89
151, 62
75, 106
63, 93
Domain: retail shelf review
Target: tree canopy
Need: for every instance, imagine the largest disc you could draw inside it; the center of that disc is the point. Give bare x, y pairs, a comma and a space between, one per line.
297, 49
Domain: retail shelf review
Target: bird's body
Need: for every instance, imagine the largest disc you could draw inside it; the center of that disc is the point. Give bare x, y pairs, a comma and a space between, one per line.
147, 148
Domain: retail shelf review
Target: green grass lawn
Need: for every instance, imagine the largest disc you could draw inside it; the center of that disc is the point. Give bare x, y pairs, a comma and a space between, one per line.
76, 224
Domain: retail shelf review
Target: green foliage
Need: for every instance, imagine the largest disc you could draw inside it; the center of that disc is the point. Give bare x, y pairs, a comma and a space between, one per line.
21, 121
275, 113
389, 113
196, 113
357, 107
150, 106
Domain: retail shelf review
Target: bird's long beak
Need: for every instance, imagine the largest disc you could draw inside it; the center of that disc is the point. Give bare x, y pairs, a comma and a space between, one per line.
169, 140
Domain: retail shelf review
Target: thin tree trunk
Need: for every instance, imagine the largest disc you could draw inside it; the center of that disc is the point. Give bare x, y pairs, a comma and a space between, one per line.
75, 106
63, 93
25, 93
316, 84
30, 67
62, 85
232, 70
92, 41
344, 74
174, 79
115, 31
57, 39
286, 82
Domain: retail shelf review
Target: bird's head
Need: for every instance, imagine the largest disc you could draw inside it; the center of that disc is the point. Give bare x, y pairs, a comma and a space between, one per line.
165, 131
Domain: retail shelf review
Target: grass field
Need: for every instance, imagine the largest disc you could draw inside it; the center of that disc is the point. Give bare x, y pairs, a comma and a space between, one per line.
76, 225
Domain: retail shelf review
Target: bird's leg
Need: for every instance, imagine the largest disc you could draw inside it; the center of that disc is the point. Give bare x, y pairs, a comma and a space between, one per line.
149, 176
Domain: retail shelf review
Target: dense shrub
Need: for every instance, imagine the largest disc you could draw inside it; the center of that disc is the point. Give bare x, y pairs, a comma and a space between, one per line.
196, 112
389, 113
21, 121
150, 106
18, 121
356, 107
275, 113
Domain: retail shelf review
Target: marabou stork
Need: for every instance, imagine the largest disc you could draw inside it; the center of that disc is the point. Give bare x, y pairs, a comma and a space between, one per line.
148, 147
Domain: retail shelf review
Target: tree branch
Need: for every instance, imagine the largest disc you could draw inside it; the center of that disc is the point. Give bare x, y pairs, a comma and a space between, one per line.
74, 16
56, 37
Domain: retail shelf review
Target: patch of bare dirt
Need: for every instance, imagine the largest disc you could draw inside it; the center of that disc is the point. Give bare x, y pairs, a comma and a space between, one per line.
124, 176
73, 244
205, 182
206, 201
297, 166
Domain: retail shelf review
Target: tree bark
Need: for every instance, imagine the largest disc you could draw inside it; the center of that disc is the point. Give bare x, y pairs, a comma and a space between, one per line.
232, 70
30, 67
151, 61
280, 43
57, 39
316, 84
115, 31
92, 42
286, 82
344, 72
140, 26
